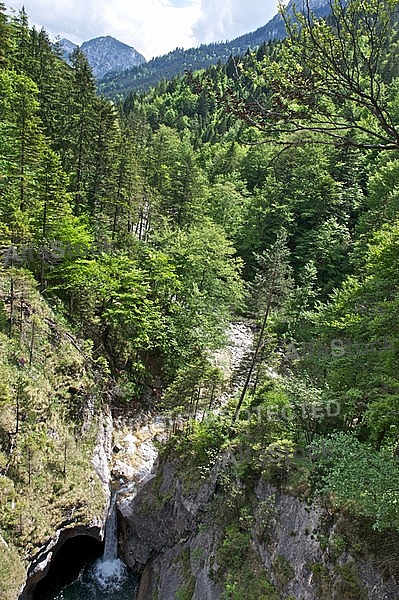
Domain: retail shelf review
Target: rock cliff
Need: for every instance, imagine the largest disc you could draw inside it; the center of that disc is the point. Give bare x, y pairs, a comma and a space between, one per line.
185, 537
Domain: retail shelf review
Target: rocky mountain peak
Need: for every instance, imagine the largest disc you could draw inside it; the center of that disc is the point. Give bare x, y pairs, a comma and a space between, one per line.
106, 54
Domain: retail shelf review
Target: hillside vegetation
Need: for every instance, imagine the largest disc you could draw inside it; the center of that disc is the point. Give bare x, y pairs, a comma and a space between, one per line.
174, 63
265, 188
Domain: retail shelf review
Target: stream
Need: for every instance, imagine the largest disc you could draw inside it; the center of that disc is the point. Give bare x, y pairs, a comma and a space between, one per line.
98, 581
107, 577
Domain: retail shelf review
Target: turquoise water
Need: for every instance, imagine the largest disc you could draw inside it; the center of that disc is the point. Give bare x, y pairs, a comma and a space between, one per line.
100, 580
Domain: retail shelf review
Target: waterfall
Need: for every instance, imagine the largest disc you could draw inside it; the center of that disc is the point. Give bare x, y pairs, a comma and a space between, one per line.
111, 532
110, 572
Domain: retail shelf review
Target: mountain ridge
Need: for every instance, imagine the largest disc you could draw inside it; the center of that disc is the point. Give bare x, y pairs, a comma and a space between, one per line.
177, 61
121, 69
106, 55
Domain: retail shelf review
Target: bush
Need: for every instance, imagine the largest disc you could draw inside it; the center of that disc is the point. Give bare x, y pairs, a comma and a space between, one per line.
359, 478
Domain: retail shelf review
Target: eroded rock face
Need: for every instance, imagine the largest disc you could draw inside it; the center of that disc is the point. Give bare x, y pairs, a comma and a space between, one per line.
161, 515
291, 536
103, 452
169, 537
41, 563
187, 566
160, 538
315, 571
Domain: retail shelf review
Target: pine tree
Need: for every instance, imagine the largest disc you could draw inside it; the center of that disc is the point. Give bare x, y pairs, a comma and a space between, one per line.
22, 56
21, 149
272, 284
6, 46
101, 179
80, 128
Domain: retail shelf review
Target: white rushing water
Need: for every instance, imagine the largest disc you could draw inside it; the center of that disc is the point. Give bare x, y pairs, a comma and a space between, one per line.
109, 571
109, 578
111, 533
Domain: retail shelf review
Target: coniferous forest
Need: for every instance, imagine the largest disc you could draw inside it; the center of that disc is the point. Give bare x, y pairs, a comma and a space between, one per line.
264, 190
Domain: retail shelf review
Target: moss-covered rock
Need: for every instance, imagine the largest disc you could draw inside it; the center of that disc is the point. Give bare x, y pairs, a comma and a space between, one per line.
50, 400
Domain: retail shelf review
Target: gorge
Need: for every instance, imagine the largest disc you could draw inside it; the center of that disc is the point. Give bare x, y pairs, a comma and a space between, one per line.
167, 516
104, 578
164, 256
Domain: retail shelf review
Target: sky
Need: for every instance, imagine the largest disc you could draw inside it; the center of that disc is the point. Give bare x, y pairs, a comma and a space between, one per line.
153, 27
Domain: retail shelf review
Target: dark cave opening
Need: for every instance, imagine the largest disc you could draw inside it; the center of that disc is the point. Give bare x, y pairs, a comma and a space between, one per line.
67, 564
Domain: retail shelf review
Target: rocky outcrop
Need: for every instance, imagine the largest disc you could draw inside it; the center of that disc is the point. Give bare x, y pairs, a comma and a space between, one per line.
290, 534
41, 562
105, 55
103, 452
160, 537
161, 515
315, 567
170, 537
187, 567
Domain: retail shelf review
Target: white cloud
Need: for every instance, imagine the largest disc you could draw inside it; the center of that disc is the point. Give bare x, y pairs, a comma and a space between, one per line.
153, 27
227, 19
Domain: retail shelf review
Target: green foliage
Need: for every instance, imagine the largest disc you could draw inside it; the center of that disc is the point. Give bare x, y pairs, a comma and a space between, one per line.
282, 570
234, 547
332, 77
245, 579
186, 591
361, 479
349, 586
12, 572
21, 149
194, 389
46, 442
202, 220
210, 287
201, 444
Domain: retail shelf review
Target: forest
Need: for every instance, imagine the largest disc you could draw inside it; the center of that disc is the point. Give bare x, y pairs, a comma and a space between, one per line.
266, 190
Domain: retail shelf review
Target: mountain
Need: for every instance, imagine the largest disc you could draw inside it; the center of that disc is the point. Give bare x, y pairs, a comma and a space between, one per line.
68, 47
169, 65
275, 28
106, 55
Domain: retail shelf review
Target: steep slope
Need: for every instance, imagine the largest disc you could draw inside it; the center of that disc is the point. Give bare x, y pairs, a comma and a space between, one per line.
106, 55
275, 29
219, 536
51, 475
169, 65
68, 47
